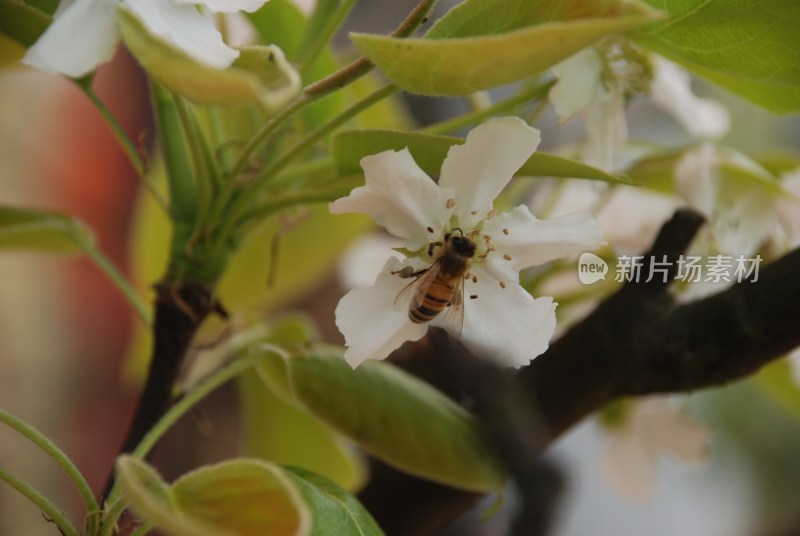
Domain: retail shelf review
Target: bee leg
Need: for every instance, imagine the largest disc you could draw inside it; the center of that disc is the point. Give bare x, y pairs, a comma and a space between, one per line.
408, 272
434, 245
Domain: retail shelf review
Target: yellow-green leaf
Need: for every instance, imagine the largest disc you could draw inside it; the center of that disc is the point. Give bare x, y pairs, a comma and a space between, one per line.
242, 497
260, 74
514, 39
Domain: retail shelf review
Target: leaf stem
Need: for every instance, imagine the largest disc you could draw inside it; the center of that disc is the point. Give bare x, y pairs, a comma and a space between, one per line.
126, 144
313, 45
49, 509
237, 209
450, 125
119, 281
198, 151
203, 389
49, 448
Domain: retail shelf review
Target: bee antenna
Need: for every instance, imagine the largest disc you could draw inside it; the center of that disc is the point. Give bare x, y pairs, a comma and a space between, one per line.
459, 230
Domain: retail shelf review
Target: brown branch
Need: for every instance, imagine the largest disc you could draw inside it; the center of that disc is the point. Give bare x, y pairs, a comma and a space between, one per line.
179, 310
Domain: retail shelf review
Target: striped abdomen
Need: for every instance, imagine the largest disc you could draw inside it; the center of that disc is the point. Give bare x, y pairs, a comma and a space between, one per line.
430, 301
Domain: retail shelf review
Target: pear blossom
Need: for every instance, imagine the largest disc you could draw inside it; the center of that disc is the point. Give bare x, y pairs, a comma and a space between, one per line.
84, 33
596, 82
739, 210
502, 321
650, 429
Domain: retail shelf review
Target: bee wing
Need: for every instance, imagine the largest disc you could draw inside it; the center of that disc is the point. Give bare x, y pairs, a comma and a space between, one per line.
412, 294
453, 316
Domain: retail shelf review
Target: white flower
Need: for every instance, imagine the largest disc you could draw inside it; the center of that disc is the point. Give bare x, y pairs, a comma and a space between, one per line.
739, 206
84, 33
596, 82
652, 428
502, 322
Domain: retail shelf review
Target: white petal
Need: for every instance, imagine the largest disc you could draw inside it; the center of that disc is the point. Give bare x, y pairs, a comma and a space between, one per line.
226, 6
529, 241
364, 259
505, 325
628, 466
744, 216
697, 178
666, 428
606, 129
400, 197
671, 90
578, 80
371, 325
81, 37
480, 168
186, 29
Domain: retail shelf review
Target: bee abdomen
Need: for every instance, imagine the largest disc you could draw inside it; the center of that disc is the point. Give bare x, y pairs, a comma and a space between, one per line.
434, 301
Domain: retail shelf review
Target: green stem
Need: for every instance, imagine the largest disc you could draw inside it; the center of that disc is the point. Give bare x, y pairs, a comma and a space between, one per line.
179, 168
128, 147
314, 44
110, 518
238, 208
311, 93
320, 132
49, 509
450, 125
197, 152
122, 284
293, 198
49, 448
203, 389
261, 136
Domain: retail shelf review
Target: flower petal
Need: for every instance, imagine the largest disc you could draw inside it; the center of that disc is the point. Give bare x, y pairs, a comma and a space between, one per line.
522, 240
226, 6
697, 178
400, 197
672, 91
480, 168
372, 327
606, 129
185, 28
504, 325
579, 77
81, 37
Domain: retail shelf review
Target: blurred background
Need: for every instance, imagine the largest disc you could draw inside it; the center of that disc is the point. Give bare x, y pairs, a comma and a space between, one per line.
67, 337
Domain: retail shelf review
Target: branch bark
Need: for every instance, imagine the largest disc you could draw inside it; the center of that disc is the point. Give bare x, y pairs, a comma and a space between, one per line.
180, 308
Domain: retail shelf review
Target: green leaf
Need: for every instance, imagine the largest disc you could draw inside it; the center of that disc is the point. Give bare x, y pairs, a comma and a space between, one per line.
391, 414
334, 511
22, 22
43, 231
260, 74
657, 171
241, 497
488, 43
33, 230
280, 432
750, 48
429, 150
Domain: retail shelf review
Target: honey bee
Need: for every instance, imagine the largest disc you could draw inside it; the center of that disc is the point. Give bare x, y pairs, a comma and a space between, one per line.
441, 285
